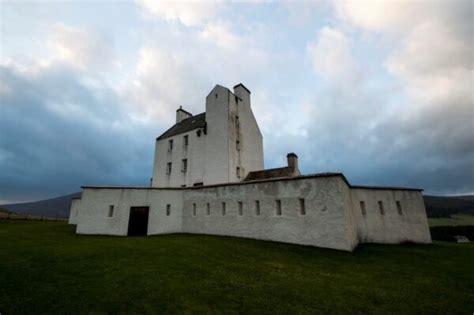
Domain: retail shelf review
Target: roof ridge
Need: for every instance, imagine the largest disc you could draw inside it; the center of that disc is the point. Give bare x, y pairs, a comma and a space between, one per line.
270, 169
193, 116
184, 126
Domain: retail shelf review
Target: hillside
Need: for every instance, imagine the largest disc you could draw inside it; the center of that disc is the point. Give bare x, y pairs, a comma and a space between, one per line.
444, 207
51, 208
467, 197
46, 268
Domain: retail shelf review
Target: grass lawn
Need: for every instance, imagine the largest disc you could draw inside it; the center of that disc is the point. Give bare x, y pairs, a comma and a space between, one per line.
455, 220
46, 268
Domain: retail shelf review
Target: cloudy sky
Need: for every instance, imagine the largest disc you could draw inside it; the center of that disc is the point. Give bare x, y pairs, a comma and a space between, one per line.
382, 92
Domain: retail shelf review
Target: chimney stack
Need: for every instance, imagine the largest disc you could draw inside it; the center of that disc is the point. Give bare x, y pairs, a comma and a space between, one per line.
181, 114
243, 93
293, 163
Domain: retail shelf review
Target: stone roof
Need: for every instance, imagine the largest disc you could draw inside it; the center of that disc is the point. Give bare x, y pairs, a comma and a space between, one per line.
188, 124
270, 173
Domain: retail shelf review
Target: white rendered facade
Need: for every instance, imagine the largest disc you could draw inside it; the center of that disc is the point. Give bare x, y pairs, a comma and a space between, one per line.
322, 210
224, 150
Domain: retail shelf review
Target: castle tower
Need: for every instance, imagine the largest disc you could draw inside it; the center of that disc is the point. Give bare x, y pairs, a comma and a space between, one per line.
218, 146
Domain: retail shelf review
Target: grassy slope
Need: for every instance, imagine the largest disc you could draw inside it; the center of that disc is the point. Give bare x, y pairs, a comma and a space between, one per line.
454, 220
45, 267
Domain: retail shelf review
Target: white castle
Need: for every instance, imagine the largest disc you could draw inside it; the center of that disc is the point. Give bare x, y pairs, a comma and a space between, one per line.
209, 178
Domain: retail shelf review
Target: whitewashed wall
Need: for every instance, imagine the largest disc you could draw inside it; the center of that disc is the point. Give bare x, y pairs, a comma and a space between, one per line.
245, 129
251, 138
94, 207
217, 142
324, 225
213, 158
194, 152
332, 218
74, 212
390, 227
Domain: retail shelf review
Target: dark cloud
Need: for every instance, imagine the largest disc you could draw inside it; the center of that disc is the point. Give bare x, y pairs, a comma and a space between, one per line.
57, 134
428, 147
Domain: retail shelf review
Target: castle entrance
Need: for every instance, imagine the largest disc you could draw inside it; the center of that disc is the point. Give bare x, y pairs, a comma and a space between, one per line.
138, 221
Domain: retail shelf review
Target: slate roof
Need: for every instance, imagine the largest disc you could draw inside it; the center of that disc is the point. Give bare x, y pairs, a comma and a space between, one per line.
188, 124
270, 173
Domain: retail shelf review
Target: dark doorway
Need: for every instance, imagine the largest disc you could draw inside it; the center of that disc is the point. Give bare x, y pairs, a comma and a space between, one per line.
138, 221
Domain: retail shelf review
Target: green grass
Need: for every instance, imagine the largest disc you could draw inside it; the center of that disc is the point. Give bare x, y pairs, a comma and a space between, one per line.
454, 220
46, 268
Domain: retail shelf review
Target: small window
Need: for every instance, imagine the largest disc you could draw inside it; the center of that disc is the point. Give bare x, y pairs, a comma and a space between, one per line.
362, 208
236, 120
111, 211
278, 207
216, 95
198, 184
184, 165
168, 210
168, 168
382, 210
194, 209
170, 145
237, 145
237, 171
185, 140
399, 207
302, 207
257, 207
241, 208
223, 208
208, 209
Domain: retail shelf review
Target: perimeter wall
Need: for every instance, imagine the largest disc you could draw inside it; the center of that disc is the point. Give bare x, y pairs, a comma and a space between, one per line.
321, 211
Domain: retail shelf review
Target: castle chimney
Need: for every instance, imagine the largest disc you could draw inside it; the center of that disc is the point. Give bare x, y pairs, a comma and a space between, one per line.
243, 93
293, 163
181, 114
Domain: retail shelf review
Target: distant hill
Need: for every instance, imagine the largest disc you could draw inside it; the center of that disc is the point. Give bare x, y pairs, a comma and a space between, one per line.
468, 197
49, 208
436, 206
444, 207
